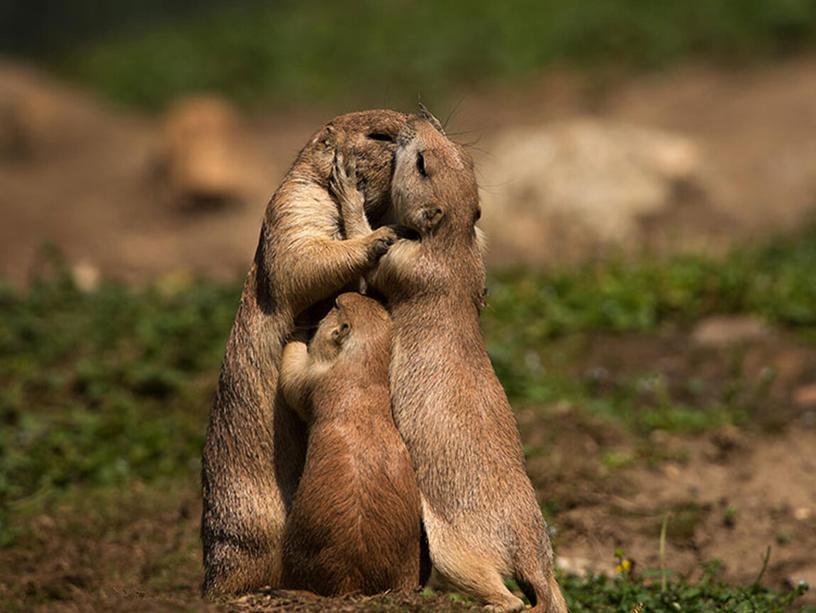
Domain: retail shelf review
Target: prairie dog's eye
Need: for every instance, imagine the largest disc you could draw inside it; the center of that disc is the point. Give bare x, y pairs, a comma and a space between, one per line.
381, 137
420, 164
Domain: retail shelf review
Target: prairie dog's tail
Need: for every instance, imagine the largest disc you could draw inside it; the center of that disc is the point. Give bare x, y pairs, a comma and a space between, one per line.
543, 593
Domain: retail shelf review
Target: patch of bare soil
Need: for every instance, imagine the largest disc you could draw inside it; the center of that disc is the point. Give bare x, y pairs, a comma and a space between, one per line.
139, 551
92, 189
273, 601
758, 376
725, 500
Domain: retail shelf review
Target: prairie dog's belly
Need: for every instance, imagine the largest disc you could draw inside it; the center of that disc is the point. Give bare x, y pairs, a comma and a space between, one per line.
456, 423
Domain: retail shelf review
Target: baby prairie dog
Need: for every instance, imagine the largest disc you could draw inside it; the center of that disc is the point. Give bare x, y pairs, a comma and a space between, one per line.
354, 524
479, 508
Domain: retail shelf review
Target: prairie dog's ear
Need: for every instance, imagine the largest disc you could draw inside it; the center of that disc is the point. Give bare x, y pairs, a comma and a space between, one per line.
340, 333
331, 137
428, 116
431, 217
327, 137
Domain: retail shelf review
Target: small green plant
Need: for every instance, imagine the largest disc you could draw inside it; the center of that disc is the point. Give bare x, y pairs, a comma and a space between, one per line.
730, 516
626, 593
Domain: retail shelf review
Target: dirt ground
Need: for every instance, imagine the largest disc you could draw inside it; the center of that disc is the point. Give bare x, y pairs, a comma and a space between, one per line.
729, 494
766, 479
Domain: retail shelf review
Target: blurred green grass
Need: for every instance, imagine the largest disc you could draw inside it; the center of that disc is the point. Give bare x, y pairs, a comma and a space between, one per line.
775, 282
99, 388
384, 52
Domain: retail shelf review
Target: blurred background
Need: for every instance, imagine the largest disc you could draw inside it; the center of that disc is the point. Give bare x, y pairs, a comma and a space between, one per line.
648, 177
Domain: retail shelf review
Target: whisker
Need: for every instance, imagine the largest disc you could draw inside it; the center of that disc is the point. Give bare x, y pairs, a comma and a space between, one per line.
450, 115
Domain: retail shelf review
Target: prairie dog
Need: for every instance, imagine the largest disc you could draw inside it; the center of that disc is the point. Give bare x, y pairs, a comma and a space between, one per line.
479, 508
355, 523
255, 445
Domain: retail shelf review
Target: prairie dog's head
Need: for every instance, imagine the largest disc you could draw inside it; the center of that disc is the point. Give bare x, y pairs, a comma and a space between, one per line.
370, 138
434, 190
355, 323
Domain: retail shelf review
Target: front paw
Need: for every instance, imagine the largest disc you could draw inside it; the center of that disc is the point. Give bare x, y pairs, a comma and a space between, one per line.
343, 180
294, 354
380, 241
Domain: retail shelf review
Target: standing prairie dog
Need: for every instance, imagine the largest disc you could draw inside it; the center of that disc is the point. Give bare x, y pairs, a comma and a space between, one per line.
255, 445
354, 525
479, 508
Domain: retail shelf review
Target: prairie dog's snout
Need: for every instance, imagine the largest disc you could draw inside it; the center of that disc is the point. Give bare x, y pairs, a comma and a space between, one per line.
433, 180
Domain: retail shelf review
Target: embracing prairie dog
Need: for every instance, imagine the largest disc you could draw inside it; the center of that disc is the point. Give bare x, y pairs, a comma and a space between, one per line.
255, 446
479, 508
354, 525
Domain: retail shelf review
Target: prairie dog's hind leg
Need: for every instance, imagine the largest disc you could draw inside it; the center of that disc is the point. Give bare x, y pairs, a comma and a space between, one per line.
467, 565
343, 184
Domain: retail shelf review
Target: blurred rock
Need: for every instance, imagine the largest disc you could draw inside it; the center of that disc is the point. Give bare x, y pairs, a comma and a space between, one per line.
802, 513
204, 157
33, 113
582, 185
86, 276
726, 330
582, 567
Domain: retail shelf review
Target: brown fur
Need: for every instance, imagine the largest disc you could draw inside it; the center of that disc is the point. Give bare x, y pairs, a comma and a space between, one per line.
354, 525
255, 445
479, 507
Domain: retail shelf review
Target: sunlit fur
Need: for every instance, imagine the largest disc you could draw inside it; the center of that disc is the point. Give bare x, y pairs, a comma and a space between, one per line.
255, 446
354, 525
479, 507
